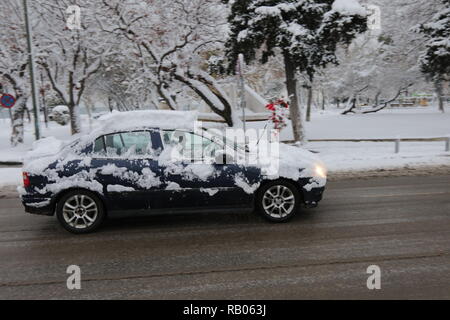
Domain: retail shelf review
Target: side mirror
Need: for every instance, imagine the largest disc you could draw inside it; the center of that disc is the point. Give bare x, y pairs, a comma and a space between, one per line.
222, 157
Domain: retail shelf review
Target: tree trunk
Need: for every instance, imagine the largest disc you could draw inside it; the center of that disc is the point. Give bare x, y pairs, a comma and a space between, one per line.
88, 110
294, 108
323, 100
27, 112
45, 109
75, 121
17, 121
308, 104
438, 87
110, 106
351, 104
377, 96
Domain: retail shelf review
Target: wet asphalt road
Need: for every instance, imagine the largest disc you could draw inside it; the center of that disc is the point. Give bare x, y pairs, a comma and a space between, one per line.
400, 224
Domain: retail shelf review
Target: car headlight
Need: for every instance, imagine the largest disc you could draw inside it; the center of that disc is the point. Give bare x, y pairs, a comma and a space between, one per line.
320, 171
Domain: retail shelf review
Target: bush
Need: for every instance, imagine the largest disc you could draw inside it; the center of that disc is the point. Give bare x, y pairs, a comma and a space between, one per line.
60, 114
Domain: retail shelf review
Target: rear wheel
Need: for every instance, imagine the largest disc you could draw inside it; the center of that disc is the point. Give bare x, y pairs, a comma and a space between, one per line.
80, 211
278, 201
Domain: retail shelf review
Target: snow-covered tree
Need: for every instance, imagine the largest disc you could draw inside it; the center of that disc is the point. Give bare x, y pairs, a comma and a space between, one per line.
13, 63
435, 61
171, 40
381, 65
70, 57
306, 33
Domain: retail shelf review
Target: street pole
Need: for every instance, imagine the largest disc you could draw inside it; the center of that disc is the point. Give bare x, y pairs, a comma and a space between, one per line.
242, 85
240, 74
34, 97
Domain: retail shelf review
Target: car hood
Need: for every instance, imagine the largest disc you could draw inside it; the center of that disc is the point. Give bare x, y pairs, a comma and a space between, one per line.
291, 162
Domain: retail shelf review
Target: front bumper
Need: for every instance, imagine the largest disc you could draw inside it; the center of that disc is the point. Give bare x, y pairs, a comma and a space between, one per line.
311, 198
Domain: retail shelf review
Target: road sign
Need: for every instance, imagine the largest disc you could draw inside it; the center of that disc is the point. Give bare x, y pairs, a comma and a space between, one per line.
7, 101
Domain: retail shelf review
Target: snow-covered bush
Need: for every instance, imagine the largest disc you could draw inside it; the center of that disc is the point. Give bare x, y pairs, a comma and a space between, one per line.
60, 114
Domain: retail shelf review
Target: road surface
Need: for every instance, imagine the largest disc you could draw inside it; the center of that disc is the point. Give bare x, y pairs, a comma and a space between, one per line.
400, 224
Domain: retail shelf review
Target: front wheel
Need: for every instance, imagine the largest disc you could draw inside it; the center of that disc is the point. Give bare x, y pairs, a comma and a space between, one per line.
278, 201
80, 211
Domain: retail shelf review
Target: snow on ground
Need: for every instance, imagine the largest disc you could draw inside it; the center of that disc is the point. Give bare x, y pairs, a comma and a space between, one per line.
417, 122
339, 156
358, 156
8, 154
10, 177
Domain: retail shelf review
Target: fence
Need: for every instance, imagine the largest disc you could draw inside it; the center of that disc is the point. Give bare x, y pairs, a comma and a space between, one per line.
395, 140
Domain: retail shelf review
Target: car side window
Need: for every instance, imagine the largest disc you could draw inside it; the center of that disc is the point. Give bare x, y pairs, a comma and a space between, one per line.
99, 146
124, 144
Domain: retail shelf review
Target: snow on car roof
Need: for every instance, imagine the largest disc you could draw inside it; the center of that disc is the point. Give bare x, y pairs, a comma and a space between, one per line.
163, 119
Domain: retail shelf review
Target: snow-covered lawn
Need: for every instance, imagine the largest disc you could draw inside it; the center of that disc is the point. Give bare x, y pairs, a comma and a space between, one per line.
358, 156
7, 153
417, 122
339, 156
10, 177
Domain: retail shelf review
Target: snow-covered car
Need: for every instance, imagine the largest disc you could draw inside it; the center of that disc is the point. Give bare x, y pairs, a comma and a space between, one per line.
153, 163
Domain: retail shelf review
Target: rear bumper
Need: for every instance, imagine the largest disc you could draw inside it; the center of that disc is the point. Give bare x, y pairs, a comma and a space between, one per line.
311, 198
43, 211
38, 205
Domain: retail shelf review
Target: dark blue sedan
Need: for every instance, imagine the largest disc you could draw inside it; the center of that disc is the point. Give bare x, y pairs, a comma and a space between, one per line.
112, 173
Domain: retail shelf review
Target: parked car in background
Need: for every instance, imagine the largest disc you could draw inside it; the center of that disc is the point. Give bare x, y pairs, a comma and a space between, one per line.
154, 162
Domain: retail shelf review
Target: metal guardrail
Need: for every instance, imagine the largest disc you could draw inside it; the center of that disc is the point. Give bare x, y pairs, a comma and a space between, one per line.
383, 140
395, 140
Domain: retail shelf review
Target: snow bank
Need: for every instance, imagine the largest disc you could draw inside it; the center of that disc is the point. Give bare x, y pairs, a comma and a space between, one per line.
10, 177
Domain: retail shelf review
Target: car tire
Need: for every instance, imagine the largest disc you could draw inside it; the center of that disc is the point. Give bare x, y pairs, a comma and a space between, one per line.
278, 201
80, 211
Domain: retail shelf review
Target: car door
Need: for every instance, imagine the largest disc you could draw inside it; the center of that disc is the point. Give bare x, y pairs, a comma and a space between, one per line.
124, 163
193, 177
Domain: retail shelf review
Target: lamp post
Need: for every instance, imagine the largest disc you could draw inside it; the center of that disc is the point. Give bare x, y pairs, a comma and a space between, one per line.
240, 74
32, 78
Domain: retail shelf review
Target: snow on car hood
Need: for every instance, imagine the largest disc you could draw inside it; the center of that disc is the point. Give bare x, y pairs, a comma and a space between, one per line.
292, 162
296, 163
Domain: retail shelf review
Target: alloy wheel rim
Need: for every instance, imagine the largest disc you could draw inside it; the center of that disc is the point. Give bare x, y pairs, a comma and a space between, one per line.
278, 201
80, 211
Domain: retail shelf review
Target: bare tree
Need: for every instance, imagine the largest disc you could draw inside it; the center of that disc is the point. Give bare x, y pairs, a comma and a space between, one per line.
170, 39
70, 57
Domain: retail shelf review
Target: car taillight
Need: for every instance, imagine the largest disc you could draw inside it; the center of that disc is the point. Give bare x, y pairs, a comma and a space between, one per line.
26, 179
